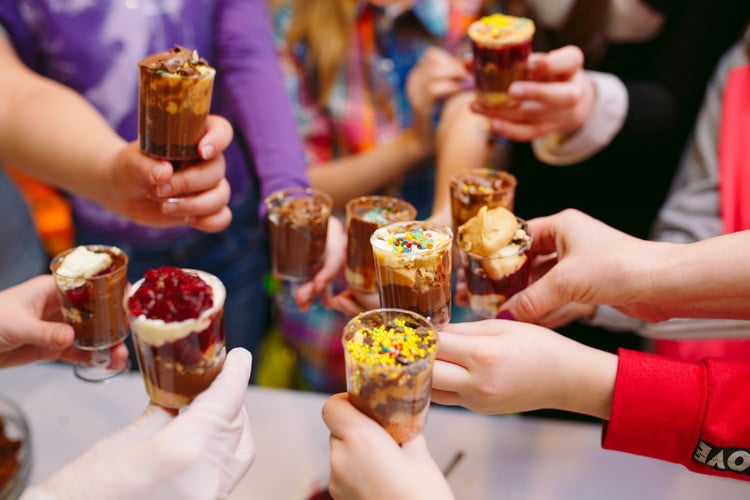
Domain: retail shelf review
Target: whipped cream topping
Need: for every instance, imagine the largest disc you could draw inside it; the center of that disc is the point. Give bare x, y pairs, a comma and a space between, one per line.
80, 264
158, 332
411, 239
493, 233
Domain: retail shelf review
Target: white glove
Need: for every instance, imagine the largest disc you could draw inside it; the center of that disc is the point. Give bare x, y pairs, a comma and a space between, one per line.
200, 454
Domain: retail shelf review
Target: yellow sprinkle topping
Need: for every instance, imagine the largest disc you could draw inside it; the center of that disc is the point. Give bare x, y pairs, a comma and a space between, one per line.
400, 342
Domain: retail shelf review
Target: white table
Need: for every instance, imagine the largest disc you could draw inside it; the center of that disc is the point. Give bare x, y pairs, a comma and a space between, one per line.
504, 457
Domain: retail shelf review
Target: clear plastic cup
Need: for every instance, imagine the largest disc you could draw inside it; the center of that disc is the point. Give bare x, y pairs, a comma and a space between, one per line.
474, 188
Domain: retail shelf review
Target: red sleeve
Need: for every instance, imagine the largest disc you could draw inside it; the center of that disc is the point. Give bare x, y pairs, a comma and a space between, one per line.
694, 414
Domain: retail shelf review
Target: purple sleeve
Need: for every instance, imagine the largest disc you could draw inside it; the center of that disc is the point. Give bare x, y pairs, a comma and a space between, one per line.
247, 58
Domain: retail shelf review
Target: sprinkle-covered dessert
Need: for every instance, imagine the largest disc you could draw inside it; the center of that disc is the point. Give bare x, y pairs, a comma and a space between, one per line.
389, 357
174, 100
477, 187
91, 283
363, 216
176, 316
298, 225
413, 268
501, 45
495, 247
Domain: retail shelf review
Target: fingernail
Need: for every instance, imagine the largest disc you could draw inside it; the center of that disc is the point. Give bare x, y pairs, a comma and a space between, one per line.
163, 190
532, 65
506, 315
169, 207
157, 171
516, 90
208, 151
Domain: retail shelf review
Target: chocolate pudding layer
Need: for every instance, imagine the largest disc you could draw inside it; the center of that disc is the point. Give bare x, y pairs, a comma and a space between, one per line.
495, 246
363, 216
389, 358
477, 187
91, 282
174, 100
413, 267
501, 46
298, 226
178, 331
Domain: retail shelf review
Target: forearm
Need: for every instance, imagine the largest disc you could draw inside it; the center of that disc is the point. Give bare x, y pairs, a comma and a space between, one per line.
365, 173
709, 279
40, 119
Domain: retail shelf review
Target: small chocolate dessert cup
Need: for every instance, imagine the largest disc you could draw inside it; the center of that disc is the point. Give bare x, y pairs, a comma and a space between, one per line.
180, 359
298, 225
389, 358
474, 188
91, 292
363, 216
413, 268
174, 98
491, 281
501, 46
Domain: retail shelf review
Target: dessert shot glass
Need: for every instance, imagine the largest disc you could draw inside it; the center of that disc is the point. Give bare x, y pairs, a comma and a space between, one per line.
174, 98
298, 226
413, 268
91, 282
363, 216
177, 320
473, 188
501, 45
389, 357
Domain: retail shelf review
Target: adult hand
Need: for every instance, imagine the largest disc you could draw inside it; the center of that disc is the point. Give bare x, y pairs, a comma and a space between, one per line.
335, 260
150, 192
201, 453
437, 75
363, 454
497, 366
32, 328
557, 97
586, 261
351, 303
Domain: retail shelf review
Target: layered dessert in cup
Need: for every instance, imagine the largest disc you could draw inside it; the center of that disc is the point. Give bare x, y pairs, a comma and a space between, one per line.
501, 45
363, 216
177, 321
298, 226
91, 282
413, 268
475, 188
495, 247
174, 98
389, 358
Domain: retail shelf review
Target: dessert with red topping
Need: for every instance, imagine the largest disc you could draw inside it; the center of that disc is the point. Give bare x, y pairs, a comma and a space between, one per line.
298, 225
413, 268
363, 216
495, 247
91, 282
477, 187
9, 463
176, 316
501, 46
175, 90
389, 359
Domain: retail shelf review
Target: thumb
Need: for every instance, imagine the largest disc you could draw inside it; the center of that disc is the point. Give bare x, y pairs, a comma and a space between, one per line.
417, 448
46, 334
536, 300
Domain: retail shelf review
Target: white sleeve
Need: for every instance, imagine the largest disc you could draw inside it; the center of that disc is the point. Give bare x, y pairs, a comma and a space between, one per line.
602, 125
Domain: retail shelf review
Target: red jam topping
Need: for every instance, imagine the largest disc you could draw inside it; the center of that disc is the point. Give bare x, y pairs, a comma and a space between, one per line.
171, 294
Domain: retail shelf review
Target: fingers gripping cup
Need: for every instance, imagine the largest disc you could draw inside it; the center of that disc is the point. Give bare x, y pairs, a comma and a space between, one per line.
363, 216
389, 357
413, 268
501, 46
91, 282
174, 98
177, 320
495, 247
298, 224
477, 187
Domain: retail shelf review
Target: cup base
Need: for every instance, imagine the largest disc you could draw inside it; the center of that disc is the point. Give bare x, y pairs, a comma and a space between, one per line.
97, 373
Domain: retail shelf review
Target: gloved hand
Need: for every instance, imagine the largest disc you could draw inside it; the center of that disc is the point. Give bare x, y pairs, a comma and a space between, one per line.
200, 454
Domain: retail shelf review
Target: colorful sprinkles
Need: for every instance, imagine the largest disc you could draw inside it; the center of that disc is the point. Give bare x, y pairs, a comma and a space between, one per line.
401, 342
377, 215
415, 240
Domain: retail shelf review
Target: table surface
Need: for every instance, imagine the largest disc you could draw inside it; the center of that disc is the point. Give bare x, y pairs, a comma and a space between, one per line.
504, 456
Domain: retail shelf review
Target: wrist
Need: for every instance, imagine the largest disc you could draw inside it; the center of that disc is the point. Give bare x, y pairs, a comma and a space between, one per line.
590, 383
